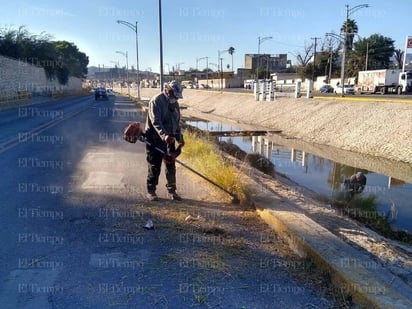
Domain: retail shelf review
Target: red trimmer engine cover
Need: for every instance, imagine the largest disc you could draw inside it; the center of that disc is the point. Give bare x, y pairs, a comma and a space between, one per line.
132, 132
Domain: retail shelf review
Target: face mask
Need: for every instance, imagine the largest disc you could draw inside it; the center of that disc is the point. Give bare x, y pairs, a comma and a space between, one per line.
172, 100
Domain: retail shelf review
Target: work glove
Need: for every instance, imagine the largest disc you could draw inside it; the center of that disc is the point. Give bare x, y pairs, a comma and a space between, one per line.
169, 139
170, 157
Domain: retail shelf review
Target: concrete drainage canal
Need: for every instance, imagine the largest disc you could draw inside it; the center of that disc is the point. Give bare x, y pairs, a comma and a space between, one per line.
323, 169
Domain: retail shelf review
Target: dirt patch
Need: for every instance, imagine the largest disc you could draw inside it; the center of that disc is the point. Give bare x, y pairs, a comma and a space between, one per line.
210, 244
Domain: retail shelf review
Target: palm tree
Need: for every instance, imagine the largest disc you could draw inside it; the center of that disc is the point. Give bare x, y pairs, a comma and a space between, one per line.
231, 50
348, 30
398, 55
377, 48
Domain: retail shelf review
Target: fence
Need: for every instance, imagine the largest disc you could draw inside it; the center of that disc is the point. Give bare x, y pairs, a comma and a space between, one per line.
268, 91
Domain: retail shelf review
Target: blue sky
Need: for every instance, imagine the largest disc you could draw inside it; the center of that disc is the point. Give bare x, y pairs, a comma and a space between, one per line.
199, 28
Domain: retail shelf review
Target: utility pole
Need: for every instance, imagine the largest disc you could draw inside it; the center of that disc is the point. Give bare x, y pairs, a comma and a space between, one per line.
161, 47
219, 61
314, 57
330, 62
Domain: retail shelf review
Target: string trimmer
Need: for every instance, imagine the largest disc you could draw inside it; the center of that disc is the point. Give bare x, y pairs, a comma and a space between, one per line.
133, 133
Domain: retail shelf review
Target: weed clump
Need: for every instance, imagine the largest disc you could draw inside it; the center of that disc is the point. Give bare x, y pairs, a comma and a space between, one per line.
201, 154
364, 210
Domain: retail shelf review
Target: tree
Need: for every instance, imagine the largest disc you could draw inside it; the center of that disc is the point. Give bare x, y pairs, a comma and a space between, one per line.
70, 57
231, 51
303, 68
348, 30
59, 59
398, 55
377, 48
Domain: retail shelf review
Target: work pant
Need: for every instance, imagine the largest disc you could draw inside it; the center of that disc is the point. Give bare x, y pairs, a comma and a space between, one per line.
154, 161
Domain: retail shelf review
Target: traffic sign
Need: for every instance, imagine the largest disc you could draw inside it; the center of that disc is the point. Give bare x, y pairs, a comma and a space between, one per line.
409, 42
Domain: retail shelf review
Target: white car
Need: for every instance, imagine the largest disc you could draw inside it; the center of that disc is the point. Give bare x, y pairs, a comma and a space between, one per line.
110, 92
348, 89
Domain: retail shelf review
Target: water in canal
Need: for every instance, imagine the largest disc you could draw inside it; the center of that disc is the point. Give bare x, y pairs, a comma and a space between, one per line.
325, 176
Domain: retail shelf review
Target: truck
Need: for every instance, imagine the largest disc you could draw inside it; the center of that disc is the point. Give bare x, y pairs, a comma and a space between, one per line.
187, 84
384, 81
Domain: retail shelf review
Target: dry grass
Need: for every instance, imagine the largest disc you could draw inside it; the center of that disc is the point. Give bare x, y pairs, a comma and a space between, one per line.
203, 156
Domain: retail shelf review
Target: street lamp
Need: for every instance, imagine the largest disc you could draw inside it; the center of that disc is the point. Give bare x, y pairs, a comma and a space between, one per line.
207, 68
161, 46
168, 68
219, 61
178, 65
134, 28
260, 41
349, 11
127, 69
216, 65
116, 63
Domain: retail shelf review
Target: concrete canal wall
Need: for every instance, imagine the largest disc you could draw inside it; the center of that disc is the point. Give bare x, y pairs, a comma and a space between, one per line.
382, 129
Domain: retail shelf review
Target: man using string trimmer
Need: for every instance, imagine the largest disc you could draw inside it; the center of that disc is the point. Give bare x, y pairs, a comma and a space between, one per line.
163, 131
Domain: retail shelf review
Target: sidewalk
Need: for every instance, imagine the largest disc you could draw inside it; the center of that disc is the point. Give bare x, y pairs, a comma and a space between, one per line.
203, 252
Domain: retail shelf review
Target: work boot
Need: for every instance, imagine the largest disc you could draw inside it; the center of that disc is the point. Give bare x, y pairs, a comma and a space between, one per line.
174, 196
151, 196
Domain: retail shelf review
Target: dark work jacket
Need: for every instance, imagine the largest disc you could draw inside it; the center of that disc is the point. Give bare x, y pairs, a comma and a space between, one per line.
163, 118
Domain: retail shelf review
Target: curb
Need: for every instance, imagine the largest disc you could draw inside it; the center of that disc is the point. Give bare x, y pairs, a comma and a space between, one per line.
366, 99
369, 288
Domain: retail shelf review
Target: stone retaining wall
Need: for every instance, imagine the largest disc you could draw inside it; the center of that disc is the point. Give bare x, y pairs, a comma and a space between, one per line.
18, 77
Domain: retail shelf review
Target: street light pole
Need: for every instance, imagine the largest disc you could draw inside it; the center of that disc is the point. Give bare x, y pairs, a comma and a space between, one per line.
116, 63
207, 69
127, 70
349, 11
168, 69
219, 60
161, 46
260, 41
178, 65
134, 28
217, 66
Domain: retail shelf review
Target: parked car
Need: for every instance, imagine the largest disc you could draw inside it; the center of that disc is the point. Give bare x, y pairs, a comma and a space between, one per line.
349, 89
100, 93
326, 89
110, 92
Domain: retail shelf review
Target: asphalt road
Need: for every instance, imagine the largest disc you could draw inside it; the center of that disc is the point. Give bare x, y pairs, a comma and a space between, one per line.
72, 211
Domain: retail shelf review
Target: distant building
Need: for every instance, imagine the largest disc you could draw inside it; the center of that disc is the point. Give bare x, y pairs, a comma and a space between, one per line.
273, 62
